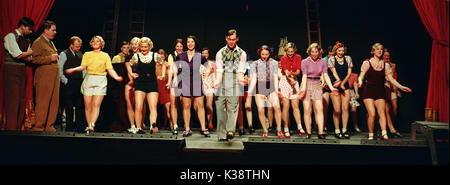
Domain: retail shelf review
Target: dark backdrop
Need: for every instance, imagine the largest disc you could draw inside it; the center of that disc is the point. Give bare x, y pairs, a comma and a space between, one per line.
359, 24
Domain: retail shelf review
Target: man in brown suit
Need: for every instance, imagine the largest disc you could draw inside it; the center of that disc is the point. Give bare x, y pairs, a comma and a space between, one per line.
46, 78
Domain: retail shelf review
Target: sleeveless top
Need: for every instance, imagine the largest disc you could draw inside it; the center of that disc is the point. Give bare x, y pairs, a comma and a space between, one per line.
374, 87
146, 71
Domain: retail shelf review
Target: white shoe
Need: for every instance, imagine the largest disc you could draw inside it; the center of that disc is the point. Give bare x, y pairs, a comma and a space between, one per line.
132, 130
89, 130
357, 129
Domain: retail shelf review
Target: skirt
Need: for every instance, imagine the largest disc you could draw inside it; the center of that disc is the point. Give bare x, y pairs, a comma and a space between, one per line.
286, 89
163, 92
208, 85
313, 90
94, 85
353, 101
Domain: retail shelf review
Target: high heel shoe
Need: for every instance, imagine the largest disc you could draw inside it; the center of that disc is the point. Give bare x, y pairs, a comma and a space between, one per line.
280, 134
338, 135
175, 131
241, 132
346, 135
308, 136
89, 130
396, 135
265, 134
140, 131
153, 129
205, 133
322, 136
251, 130
270, 129
384, 137
287, 134
187, 133
211, 127
301, 132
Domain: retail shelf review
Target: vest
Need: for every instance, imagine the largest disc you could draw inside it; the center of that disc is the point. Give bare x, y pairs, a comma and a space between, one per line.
71, 62
341, 69
23, 43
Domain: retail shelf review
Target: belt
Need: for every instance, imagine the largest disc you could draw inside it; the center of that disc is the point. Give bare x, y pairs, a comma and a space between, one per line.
314, 78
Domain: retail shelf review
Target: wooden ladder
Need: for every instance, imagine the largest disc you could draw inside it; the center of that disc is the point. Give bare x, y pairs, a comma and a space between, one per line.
110, 29
137, 18
313, 21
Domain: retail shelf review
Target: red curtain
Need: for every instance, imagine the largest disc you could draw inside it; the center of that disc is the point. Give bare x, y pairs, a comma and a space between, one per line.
11, 12
434, 15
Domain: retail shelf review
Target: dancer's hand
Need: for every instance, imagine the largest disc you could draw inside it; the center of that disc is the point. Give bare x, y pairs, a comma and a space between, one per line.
119, 79
342, 86
301, 94
69, 71
405, 89
134, 75
216, 85
337, 83
335, 92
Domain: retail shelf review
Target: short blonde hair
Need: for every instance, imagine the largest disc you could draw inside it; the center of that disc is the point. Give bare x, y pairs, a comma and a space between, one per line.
314, 45
135, 39
99, 38
146, 40
374, 47
290, 45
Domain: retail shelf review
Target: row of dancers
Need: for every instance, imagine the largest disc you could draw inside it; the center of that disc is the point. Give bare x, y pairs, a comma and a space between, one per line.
187, 77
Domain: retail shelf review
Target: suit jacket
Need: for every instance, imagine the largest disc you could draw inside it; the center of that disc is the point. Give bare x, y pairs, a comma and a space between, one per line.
42, 51
46, 69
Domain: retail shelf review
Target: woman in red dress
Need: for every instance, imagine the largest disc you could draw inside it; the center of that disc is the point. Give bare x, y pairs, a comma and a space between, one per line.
377, 72
163, 98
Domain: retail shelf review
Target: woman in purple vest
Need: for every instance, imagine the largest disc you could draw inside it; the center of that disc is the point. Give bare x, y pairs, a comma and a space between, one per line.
191, 85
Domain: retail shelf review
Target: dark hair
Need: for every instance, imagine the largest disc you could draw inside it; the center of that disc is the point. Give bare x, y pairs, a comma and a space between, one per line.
205, 49
195, 40
26, 21
179, 40
124, 43
231, 32
265, 47
48, 24
330, 49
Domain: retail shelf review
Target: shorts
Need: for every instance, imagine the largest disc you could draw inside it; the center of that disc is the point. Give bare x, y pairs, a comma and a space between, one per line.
286, 89
263, 88
313, 90
94, 85
146, 87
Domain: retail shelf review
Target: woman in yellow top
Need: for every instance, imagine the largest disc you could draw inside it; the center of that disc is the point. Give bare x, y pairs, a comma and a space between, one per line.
96, 63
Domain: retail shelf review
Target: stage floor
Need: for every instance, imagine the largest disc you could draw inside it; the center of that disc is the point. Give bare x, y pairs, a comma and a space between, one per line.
163, 148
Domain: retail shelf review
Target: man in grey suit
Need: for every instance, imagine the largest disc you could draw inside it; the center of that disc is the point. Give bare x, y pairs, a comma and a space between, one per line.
230, 62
